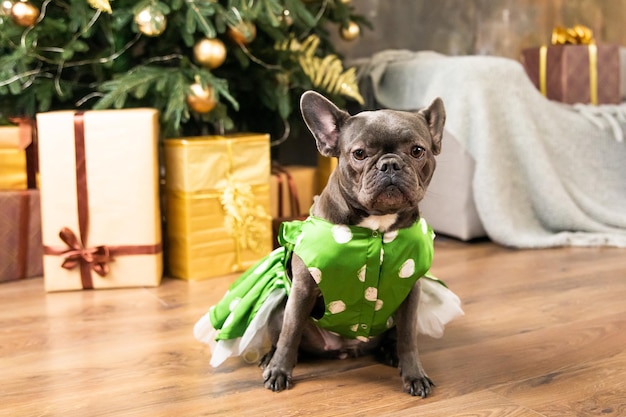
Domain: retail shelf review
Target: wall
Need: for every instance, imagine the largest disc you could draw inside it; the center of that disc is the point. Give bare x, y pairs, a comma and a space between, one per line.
462, 27
486, 27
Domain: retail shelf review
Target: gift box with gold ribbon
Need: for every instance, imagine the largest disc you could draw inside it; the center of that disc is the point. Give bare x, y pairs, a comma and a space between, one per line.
217, 204
101, 222
20, 235
18, 155
574, 69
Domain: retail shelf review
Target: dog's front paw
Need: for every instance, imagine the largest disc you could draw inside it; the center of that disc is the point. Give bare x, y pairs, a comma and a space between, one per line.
276, 379
417, 385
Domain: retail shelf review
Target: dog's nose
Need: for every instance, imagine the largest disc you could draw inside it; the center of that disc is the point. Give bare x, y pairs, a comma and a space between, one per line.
389, 163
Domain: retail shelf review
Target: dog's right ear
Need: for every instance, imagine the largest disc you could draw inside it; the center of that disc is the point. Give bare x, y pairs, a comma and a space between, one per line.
324, 120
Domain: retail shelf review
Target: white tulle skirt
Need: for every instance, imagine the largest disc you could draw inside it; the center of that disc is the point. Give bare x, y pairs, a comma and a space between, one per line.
438, 306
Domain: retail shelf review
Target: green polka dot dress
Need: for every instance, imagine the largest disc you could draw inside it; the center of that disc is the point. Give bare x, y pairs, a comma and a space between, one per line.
364, 275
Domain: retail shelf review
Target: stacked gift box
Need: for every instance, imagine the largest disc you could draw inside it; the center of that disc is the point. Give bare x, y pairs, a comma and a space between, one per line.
218, 204
95, 223
20, 221
574, 69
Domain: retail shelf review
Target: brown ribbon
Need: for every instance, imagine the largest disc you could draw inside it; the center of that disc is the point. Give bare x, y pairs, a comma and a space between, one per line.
77, 253
22, 243
294, 203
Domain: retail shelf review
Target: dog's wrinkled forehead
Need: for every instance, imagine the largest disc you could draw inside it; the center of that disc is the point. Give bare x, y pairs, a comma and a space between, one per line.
385, 128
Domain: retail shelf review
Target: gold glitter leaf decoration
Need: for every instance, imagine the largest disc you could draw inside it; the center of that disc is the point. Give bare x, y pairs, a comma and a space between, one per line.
325, 73
102, 5
244, 216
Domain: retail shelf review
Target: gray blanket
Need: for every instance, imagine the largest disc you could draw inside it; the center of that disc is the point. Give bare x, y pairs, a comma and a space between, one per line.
547, 174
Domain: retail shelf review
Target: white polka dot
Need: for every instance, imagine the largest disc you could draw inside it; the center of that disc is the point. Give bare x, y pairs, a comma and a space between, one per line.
341, 233
382, 255
424, 225
316, 274
371, 293
408, 269
233, 304
354, 327
299, 239
362, 339
390, 236
336, 307
262, 267
379, 305
432, 235
362, 273
390, 322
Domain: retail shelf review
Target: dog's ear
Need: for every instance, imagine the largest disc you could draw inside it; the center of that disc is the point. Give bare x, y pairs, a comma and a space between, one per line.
324, 120
435, 116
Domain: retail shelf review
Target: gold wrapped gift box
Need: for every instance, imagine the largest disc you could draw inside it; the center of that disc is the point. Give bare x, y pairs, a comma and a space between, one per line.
218, 203
13, 157
325, 167
101, 223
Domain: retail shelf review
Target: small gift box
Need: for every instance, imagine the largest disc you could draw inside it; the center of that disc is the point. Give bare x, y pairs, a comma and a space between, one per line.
218, 203
101, 223
292, 189
20, 235
18, 156
574, 69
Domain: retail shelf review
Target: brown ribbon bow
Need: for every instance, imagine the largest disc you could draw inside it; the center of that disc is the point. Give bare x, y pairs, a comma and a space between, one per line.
97, 257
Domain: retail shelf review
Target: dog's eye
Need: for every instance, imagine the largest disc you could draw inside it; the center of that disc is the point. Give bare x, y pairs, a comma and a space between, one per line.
418, 152
359, 154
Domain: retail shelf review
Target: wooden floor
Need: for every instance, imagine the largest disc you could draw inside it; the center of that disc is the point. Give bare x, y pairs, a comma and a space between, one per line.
544, 335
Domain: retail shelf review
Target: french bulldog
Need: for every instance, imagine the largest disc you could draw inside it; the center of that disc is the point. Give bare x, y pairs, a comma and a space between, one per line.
386, 159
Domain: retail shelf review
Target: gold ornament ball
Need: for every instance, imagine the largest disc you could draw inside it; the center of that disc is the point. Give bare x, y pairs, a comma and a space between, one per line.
5, 7
151, 21
351, 32
200, 99
243, 33
210, 53
24, 13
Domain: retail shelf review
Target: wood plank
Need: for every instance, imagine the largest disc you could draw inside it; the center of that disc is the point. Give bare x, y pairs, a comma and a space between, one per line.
592, 388
543, 334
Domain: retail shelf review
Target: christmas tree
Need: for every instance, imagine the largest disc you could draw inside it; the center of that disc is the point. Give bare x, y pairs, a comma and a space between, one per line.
208, 66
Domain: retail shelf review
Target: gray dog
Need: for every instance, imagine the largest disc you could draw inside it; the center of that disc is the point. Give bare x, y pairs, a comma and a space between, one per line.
353, 268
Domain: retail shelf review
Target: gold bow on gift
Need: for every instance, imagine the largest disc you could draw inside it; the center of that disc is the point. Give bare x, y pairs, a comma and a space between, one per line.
244, 216
76, 254
576, 35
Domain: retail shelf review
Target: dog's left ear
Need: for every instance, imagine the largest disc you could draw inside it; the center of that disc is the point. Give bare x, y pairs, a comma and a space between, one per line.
324, 120
435, 116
